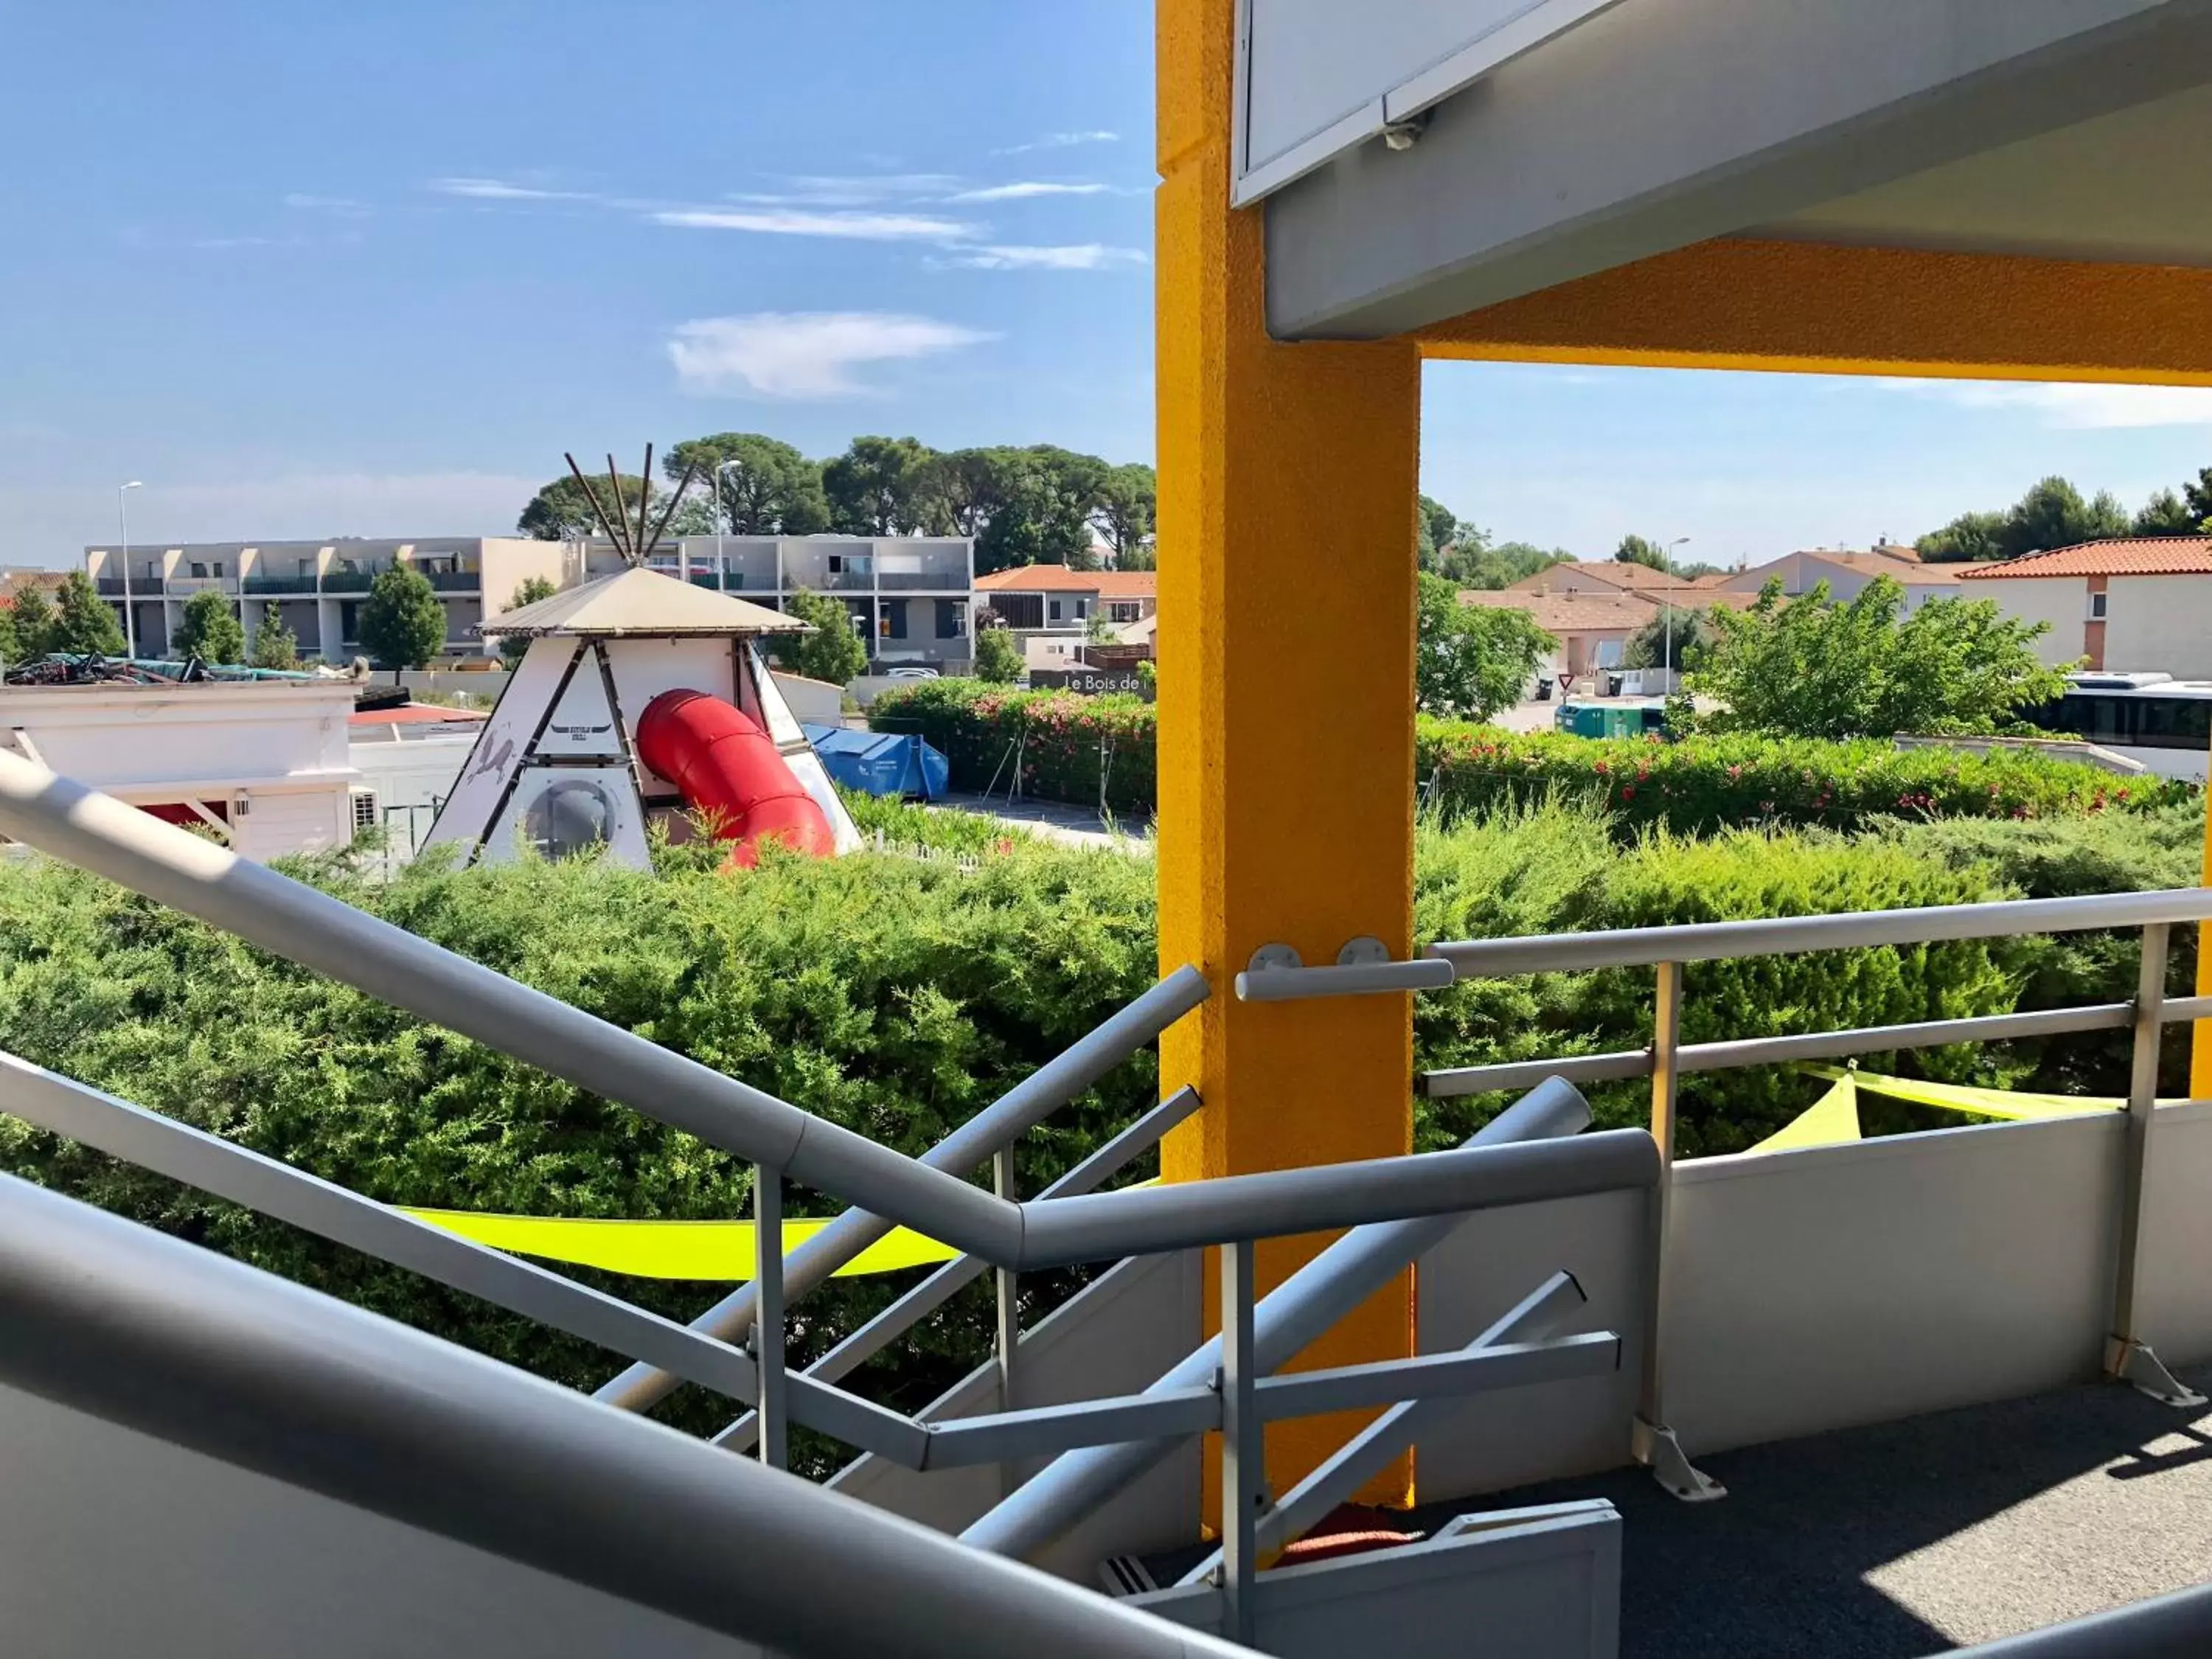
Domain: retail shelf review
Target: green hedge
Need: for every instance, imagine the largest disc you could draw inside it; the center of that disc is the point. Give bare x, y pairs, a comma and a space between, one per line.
1704, 783
1690, 787
1061, 741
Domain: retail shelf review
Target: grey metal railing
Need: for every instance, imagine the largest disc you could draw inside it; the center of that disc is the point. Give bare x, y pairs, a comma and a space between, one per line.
1389, 1203
162, 1337
2128, 1355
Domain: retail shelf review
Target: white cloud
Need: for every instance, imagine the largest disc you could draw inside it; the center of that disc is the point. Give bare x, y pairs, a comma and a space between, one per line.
861, 227
1025, 189
1062, 140
1081, 255
2075, 406
803, 354
344, 207
858, 189
499, 189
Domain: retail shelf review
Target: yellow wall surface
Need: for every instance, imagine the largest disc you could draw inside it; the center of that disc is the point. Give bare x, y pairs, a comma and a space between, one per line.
1287, 483
1813, 308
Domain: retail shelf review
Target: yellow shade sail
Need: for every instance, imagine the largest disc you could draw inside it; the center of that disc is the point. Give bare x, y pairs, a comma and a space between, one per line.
717, 1250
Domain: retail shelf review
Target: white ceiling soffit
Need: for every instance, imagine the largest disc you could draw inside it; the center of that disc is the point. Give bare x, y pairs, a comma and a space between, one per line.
1315, 77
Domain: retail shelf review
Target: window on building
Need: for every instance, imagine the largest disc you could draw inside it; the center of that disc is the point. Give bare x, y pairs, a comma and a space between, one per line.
951, 619
894, 621
1124, 610
2097, 602
364, 810
198, 567
1052, 610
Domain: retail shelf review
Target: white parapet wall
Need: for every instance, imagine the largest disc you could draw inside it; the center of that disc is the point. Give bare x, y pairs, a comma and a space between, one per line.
265, 760
1830, 1286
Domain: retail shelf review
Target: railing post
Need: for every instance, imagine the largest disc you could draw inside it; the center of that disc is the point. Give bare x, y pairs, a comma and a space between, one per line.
1243, 1445
768, 1316
2128, 1358
1010, 1312
1653, 1441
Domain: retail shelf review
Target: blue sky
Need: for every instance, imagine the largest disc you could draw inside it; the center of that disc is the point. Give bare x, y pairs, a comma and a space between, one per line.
314, 270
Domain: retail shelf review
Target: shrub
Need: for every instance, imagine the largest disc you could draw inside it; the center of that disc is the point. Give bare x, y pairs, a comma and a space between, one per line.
210, 630
893, 996
1703, 783
1059, 742
1553, 870
1700, 784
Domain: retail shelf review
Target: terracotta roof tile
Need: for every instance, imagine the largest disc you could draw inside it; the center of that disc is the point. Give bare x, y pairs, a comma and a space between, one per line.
2139, 555
1059, 579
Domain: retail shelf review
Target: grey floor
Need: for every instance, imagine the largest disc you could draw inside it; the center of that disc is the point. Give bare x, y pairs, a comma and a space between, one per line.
1914, 1538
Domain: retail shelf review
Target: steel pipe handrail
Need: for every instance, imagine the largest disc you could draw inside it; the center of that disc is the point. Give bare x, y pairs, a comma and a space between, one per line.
925, 1298
123, 1323
1740, 1052
1285, 1323
1707, 941
1232, 1209
996, 1127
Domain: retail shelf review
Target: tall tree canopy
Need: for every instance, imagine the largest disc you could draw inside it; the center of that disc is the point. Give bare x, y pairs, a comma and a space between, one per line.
562, 512
2196, 496
1812, 668
1471, 660
84, 623
2052, 514
1635, 550
1472, 562
1435, 529
1128, 501
771, 490
2166, 515
878, 486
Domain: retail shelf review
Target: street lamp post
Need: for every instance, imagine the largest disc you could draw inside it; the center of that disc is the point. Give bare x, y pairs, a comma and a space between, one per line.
1667, 599
123, 526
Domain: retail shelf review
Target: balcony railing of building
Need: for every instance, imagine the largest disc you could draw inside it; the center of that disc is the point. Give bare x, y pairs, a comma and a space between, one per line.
280, 585
111, 587
338, 580
940, 581
455, 581
828, 582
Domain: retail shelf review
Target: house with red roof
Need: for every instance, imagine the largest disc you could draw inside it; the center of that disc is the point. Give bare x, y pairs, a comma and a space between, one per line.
2141, 604
1051, 608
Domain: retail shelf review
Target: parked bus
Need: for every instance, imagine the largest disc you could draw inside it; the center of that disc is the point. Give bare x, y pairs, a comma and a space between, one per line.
2163, 723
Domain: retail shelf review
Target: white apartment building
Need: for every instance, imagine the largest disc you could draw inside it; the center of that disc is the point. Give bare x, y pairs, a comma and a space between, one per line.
317, 587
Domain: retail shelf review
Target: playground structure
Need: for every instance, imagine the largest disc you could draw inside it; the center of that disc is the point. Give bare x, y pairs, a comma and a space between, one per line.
1894, 188
640, 698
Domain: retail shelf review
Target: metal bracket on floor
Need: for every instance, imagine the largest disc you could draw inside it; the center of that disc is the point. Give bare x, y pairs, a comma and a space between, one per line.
2135, 1363
1658, 1449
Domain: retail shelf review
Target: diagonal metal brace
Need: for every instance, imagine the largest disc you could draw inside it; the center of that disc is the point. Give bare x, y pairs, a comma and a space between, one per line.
1656, 1448
2138, 1364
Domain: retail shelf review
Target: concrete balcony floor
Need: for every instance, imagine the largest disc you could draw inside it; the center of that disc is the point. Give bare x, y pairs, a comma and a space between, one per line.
1911, 1538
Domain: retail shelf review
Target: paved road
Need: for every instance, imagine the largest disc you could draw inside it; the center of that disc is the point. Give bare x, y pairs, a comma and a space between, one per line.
1908, 1538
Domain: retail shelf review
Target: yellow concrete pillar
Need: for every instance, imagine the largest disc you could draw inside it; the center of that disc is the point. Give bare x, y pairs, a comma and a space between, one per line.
1287, 483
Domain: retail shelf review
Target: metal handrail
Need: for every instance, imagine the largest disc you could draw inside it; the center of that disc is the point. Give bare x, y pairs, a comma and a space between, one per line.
1285, 1323
925, 1298
162, 1337
991, 1131
1707, 941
